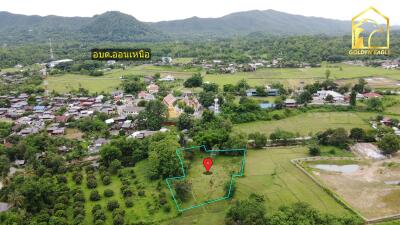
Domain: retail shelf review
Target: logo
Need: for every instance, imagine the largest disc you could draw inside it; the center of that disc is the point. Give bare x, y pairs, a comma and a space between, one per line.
370, 33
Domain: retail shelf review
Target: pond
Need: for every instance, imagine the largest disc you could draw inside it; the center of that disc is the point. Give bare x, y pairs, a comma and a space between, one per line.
336, 168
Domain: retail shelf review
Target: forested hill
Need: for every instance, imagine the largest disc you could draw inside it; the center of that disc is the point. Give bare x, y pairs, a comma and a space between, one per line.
115, 27
268, 21
110, 26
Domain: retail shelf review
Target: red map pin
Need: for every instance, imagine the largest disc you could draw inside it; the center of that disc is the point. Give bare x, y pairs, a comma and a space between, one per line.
207, 163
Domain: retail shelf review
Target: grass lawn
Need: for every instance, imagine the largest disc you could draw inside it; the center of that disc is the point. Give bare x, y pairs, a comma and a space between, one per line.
308, 123
211, 186
111, 80
268, 172
291, 77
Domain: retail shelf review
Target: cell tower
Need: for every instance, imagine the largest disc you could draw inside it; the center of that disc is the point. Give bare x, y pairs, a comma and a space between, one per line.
51, 50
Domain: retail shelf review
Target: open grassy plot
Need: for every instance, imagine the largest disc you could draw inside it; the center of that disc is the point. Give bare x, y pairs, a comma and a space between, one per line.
309, 123
270, 172
112, 79
207, 187
394, 109
291, 77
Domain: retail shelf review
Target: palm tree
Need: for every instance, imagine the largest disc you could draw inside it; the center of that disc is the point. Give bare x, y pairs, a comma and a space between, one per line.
16, 199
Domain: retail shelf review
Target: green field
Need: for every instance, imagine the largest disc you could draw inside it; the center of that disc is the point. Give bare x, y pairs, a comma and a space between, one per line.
290, 77
270, 173
309, 123
111, 80
208, 186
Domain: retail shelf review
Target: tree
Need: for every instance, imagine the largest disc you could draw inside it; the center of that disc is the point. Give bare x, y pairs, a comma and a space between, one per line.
115, 165
302, 213
389, 144
185, 121
360, 87
94, 195
260, 139
314, 150
153, 116
183, 189
207, 98
109, 153
249, 212
353, 98
357, 134
304, 97
4, 165
133, 86
195, 81
213, 87
106, 180
329, 98
162, 157
112, 205
108, 193
336, 137
374, 104
327, 73
261, 91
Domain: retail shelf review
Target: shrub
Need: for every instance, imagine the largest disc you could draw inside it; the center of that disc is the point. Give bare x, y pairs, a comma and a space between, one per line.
99, 215
113, 204
96, 208
126, 191
108, 193
141, 193
106, 180
118, 220
91, 183
78, 197
94, 195
60, 213
128, 203
314, 150
78, 211
59, 206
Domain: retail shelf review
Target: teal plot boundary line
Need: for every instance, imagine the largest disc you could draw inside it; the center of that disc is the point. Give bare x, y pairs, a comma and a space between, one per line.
234, 175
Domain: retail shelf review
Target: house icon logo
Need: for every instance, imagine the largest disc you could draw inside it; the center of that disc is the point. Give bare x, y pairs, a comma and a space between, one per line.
370, 33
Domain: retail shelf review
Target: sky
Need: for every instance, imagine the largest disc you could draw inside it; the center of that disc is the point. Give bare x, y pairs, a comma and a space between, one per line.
159, 10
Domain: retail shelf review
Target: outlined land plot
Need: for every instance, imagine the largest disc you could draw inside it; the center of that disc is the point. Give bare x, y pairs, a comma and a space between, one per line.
196, 187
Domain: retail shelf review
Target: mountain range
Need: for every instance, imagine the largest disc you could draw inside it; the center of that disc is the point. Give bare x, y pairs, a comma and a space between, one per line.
114, 26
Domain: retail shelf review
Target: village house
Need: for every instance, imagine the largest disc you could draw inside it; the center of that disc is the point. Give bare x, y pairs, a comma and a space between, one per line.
168, 78
251, 92
126, 110
169, 100
337, 97
290, 103
192, 102
372, 95
152, 88
96, 145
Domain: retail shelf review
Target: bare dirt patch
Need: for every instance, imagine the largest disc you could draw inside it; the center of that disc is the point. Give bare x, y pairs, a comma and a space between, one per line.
368, 189
367, 150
